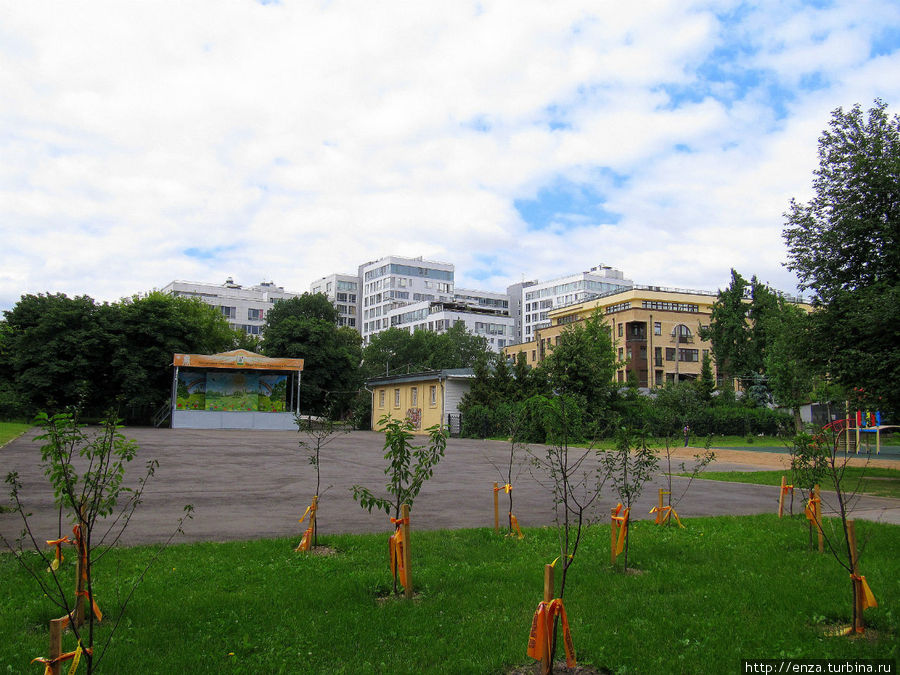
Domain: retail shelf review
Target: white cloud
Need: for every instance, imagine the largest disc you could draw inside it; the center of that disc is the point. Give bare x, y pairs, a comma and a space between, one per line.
294, 140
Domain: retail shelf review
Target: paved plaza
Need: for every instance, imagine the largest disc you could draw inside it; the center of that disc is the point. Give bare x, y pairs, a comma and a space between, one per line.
250, 484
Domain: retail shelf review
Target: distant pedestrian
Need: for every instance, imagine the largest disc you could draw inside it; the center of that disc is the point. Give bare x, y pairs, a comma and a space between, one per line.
687, 434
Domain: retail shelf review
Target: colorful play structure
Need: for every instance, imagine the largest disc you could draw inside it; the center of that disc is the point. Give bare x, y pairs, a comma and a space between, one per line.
863, 425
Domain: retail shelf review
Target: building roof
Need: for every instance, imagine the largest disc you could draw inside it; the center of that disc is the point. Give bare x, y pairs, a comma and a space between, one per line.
446, 374
236, 359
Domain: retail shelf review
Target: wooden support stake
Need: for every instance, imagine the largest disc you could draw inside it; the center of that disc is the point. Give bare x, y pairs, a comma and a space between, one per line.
56, 630
79, 585
496, 509
547, 660
312, 519
660, 507
818, 511
781, 498
859, 625
404, 514
613, 536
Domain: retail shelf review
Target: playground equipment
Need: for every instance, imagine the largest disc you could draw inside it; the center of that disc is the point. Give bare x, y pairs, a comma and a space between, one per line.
856, 427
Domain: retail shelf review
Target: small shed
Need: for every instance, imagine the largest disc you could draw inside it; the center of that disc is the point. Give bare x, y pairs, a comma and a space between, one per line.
235, 390
426, 398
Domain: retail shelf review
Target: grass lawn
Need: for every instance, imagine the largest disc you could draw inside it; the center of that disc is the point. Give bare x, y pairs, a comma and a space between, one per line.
721, 590
9, 430
867, 480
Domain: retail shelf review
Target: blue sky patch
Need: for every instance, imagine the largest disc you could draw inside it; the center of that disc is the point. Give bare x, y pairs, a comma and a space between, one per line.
886, 42
566, 205
205, 253
486, 266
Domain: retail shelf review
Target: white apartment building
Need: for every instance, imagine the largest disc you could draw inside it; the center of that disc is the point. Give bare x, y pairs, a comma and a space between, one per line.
492, 323
538, 299
245, 308
393, 282
342, 291
514, 293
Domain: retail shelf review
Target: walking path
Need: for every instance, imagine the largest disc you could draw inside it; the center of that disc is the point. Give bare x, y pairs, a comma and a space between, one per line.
249, 484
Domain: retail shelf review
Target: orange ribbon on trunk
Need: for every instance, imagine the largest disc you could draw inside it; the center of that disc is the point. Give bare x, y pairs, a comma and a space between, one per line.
622, 523
540, 639
868, 598
395, 548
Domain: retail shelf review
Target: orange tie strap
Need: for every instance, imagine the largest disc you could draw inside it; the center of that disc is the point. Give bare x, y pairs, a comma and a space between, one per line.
787, 488
305, 541
541, 638
94, 606
310, 510
868, 598
395, 548
811, 508
74, 656
665, 513
506, 488
515, 526
620, 522
58, 558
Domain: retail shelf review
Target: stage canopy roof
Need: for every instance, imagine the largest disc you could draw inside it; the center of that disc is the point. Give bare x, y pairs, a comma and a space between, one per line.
238, 359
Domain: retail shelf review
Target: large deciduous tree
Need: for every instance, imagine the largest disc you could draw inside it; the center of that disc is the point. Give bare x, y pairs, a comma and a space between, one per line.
59, 351
306, 327
399, 351
583, 362
144, 333
844, 245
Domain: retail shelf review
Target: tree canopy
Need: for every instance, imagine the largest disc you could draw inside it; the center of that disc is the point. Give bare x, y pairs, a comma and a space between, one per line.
844, 245
57, 351
397, 351
305, 327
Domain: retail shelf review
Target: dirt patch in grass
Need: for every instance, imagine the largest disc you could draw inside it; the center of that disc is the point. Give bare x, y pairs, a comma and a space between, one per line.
769, 460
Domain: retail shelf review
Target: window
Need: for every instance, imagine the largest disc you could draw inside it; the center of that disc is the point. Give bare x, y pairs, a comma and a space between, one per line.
620, 330
621, 354
433, 395
659, 376
228, 312
670, 353
657, 328
396, 398
381, 398
255, 314
414, 397
252, 330
657, 356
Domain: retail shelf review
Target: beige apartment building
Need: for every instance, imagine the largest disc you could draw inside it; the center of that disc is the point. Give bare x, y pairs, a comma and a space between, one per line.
656, 332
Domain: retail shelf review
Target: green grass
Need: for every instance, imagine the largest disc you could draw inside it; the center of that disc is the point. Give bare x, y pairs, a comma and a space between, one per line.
721, 590
866, 480
9, 430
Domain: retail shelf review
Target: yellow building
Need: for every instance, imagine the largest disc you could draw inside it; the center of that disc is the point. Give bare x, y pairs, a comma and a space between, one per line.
425, 398
655, 331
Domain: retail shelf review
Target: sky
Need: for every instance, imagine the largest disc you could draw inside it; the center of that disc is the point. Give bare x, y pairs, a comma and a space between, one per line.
283, 141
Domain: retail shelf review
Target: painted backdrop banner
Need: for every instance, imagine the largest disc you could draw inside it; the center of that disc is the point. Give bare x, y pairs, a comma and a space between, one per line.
232, 392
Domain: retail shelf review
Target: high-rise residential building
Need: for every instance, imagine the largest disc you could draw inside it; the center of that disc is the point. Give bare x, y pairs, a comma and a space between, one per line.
244, 308
539, 299
514, 293
394, 282
343, 292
